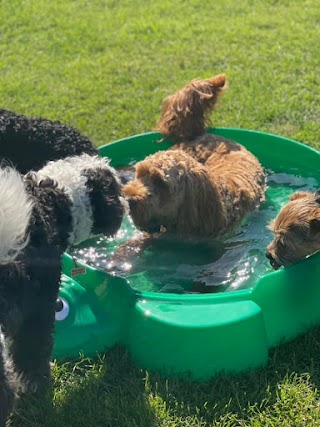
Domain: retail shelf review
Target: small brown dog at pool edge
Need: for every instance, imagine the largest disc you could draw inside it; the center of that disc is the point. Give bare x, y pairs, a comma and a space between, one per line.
296, 230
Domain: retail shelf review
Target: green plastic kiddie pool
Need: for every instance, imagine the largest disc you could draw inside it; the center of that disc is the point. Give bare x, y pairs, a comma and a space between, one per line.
195, 334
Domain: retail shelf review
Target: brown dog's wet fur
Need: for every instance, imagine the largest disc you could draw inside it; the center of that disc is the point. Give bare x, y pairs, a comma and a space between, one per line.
204, 184
296, 230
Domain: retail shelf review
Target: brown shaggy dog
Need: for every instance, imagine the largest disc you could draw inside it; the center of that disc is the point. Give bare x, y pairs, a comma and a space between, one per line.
296, 230
204, 184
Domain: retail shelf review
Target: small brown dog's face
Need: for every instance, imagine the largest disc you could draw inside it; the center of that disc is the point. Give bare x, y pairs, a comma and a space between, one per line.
155, 195
296, 230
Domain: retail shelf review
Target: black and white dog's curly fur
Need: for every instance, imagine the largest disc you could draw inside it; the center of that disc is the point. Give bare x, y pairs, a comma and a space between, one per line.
29, 143
41, 214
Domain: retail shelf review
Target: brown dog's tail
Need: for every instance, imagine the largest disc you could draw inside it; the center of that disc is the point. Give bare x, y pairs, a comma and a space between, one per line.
185, 114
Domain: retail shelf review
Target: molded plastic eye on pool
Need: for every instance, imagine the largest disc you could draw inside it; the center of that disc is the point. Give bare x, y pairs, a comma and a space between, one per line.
62, 309
199, 335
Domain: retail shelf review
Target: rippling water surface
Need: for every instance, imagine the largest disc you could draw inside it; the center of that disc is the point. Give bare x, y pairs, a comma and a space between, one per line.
170, 265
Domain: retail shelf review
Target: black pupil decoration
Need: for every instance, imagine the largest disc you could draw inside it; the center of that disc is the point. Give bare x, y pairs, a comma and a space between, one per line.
59, 305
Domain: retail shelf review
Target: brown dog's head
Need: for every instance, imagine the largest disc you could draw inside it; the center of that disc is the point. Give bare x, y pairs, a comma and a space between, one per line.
172, 191
184, 114
296, 230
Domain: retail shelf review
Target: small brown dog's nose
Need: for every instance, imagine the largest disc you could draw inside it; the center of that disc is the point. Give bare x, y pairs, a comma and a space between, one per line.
132, 203
268, 255
273, 262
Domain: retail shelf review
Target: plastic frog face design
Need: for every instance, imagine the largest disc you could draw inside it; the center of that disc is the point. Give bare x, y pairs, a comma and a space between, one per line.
62, 309
88, 320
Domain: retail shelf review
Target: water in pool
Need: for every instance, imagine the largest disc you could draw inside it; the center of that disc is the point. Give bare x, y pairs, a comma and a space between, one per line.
170, 265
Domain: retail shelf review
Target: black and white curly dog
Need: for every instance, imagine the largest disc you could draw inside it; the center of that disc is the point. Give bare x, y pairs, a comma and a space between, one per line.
29, 143
41, 214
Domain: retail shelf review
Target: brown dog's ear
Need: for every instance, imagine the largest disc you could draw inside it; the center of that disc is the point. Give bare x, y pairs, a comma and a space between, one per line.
318, 196
159, 179
314, 221
299, 195
153, 174
218, 81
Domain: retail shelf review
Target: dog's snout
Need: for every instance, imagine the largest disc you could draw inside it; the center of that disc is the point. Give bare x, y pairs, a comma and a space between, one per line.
154, 228
132, 203
274, 264
268, 255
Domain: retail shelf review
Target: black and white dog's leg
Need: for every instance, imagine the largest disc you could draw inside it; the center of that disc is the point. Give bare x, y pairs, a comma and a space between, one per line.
30, 345
30, 351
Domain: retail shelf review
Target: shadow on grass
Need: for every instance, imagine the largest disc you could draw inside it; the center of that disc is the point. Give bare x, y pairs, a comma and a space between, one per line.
112, 392
104, 392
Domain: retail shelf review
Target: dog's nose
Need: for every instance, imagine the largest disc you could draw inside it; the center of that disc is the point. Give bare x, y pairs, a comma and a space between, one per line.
132, 203
268, 255
154, 229
273, 262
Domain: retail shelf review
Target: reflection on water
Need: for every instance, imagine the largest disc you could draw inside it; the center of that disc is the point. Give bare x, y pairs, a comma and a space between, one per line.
170, 265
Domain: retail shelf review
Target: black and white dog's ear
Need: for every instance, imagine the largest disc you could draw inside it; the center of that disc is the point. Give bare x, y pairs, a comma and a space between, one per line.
107, 205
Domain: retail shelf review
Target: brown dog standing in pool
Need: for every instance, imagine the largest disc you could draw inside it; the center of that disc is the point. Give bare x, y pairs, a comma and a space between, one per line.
204, 184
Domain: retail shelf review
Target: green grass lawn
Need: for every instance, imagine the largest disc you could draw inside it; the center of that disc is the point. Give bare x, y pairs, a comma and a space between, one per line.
104, 66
